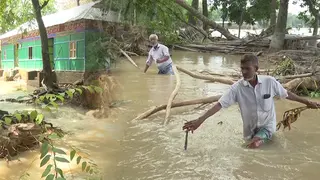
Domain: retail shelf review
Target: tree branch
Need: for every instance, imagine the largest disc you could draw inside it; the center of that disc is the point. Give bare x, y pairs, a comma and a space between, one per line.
44, 4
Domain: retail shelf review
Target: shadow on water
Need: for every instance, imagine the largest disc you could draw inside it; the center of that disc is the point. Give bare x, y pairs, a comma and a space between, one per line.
145, 149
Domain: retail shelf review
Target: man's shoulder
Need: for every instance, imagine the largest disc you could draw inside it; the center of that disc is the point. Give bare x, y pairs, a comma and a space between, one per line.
162, 45
266, 78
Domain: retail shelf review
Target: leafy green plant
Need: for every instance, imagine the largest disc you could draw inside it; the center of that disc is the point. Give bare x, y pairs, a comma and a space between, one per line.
50, 152
49, 101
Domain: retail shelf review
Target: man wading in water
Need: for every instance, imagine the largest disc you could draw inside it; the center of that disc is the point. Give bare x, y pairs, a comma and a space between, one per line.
254, 94
160, 54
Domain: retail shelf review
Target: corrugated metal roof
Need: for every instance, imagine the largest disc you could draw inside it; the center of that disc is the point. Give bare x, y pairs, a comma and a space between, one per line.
86, 11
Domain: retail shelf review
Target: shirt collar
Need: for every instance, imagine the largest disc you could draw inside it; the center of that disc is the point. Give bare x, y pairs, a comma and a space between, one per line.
246, 83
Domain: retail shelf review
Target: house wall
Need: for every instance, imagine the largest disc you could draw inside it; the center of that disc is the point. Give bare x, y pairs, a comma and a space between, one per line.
23, 55
62, 59
8, 62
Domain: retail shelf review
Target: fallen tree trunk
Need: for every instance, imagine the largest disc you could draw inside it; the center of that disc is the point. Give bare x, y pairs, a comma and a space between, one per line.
209, 78
205, 20
178, 104
173, 94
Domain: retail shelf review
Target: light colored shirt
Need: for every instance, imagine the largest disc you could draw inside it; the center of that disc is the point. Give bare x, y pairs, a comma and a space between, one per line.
159, 53
256, 110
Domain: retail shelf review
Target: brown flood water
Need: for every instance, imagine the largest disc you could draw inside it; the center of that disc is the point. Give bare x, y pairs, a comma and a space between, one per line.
145, 149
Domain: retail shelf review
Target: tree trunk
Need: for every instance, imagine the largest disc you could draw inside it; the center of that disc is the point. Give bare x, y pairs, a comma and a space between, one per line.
277, 41
192, 19
155, 11
205, 13
205, 20
49, 77
240, 24
78, 2
273, 15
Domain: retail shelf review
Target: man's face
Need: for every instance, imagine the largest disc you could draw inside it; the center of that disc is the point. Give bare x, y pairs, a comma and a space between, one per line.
248, 71
153, 42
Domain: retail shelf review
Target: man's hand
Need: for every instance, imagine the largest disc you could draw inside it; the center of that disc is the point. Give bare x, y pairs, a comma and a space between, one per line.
313, 105
192, 125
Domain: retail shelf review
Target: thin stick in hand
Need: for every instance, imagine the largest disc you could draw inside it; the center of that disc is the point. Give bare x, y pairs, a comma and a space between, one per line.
186, 141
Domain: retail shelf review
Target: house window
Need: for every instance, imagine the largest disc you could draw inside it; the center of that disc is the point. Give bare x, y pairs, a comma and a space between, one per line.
73, 50
4, 55
30, 53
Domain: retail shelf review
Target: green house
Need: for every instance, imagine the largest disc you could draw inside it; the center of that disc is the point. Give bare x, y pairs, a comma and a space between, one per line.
69, 32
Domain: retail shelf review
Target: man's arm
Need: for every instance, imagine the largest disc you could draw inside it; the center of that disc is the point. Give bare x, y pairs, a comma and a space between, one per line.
283, 93
148, 63
294, 97
166, 55
210, 112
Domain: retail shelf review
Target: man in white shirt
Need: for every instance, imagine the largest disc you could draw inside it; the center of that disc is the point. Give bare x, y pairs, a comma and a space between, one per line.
254, 94
160, 54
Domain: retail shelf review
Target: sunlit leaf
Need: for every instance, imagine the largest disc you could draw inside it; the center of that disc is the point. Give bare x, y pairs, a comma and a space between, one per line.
7, 120
18, 116
33, 115
54, 104
72, 154
90, 89
60, 97
53, 136
60, 172
39, 118
45, 160
84, 164
50, 177
60, 159
98, 89
44, 149
79, 90
78, 159
46, 171
59, 151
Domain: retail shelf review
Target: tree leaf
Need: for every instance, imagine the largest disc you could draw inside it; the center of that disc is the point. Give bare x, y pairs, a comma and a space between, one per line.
79, 90
78, 159
61, 159
60, 172
44, 149
84, 164
47, 171
54, 104
41, 98
33, 115
72, 154
70, 94
7, 120
60, 97
47, 108
98, 89
39, 118
90, 89
45, 160
50, 177
91, 171
18, 116
54, 136
59, 151
88, 169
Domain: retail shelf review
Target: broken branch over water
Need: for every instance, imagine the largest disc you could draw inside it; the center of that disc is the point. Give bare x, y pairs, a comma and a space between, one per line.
173, 94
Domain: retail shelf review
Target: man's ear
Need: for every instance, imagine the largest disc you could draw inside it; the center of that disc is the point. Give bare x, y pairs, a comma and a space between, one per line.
257, 68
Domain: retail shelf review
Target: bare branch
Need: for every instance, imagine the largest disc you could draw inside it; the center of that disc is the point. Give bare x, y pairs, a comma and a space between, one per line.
44, 4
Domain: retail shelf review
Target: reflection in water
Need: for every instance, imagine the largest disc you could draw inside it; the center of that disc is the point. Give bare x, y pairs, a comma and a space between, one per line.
145, 149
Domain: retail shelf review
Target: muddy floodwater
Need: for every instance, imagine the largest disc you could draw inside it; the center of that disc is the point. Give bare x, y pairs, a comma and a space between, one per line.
145, 149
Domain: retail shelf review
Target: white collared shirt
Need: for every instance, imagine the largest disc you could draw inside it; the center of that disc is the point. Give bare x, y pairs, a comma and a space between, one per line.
256, 111
158, 53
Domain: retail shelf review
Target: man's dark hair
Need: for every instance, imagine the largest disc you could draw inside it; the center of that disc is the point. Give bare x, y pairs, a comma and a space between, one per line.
253, 59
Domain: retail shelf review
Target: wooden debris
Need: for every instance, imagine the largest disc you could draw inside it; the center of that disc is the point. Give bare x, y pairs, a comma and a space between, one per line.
290, 117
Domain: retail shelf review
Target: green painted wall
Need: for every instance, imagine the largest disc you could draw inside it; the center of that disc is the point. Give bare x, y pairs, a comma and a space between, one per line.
7, 63
94, 56
62, 52
23, 53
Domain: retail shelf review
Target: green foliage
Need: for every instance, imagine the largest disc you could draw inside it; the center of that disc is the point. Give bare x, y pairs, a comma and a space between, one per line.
50, 155
16, 12
313, 9
22, 117
50, 101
